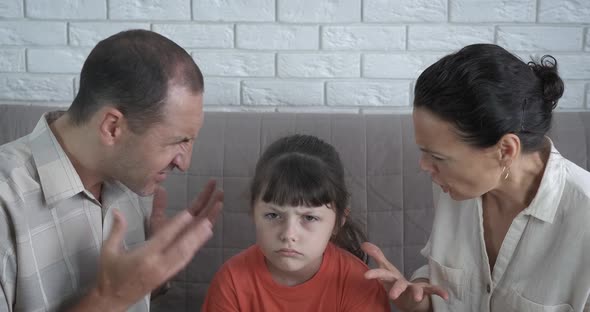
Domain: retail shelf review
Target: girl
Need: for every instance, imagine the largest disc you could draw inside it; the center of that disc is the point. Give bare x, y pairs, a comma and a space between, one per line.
307, 256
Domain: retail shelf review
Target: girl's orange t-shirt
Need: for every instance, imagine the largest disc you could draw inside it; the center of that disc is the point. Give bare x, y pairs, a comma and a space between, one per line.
244, 284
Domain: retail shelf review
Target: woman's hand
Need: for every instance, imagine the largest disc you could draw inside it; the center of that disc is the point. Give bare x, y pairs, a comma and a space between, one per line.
407, 296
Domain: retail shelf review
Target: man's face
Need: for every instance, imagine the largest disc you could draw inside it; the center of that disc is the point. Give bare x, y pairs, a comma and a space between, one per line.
144, 160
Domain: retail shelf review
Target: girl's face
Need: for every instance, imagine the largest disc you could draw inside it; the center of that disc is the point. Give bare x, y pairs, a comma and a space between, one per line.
293, 239
458, 168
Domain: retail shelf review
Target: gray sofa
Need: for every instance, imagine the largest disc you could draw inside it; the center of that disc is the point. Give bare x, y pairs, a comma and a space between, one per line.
390, 195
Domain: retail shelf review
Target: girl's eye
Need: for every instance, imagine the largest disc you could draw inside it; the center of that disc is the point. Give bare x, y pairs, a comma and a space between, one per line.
271, 216
308, 218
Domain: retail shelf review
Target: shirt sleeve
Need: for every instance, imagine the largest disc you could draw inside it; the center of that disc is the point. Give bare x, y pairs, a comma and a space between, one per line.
7, 265
423, 271
221, 294
4, 305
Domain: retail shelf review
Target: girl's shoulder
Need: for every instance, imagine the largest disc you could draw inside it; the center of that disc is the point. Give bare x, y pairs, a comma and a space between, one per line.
243, 262
345, 260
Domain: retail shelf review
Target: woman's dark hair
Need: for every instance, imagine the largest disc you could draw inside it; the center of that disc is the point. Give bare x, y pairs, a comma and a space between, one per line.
302, 170
486, 92
132, 71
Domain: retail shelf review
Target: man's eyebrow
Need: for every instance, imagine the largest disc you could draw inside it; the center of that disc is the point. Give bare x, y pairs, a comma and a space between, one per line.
181, 139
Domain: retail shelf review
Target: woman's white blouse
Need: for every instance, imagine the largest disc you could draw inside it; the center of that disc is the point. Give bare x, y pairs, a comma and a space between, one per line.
543, 263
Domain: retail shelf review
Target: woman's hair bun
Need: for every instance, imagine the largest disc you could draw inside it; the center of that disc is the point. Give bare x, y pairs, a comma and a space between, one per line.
546, 70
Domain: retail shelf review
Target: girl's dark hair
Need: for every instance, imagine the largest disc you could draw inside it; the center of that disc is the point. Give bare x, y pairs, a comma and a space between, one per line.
302, 170
486, 92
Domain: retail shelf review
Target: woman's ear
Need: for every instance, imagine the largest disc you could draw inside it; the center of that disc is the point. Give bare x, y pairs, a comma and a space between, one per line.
509, 148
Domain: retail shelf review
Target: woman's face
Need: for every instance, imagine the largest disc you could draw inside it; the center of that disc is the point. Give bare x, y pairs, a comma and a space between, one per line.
458, 168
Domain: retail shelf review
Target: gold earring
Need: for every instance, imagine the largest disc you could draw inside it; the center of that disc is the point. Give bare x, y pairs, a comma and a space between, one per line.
507, 172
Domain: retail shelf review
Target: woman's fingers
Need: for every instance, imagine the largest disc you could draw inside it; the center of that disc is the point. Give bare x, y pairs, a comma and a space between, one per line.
417, 292
375, 252
398, 288
382, 275
436, 290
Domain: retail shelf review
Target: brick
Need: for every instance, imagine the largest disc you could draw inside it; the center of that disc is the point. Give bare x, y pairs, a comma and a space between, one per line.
277, 37
405, 11
29, 87
572, 66
12, 60
318, 110
90, 33
407, 66
283, 93
568, 11
236, 64
363, 93
62, 60
447, 38
33, 33
77, 9
544, 38
150, 9
234, 10
198, 35
11, 8
573, 95
318, 65
364, 37
319, 11
221, 91
478, 11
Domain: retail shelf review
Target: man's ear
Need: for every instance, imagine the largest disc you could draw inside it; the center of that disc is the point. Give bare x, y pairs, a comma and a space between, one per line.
111, 125
509, 149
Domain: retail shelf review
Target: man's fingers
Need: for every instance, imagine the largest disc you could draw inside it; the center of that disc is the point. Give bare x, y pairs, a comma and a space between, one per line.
374, 252
200, 203
184, 247
115, 238
167, 234
216, 206
158, 216
160, 202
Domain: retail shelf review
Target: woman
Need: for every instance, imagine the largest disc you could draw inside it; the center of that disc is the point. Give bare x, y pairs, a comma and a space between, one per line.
510, 231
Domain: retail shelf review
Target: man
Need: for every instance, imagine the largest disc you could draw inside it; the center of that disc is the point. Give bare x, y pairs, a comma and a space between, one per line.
74, 207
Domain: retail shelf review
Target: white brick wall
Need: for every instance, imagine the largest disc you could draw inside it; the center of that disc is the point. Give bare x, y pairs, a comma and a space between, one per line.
68, 9
12, 60
277, 37
291, 55
90, 33
478, 11
319, 65
11, 8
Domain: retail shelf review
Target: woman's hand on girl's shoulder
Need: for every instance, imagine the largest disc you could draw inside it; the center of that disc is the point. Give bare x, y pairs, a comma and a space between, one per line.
407, 296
